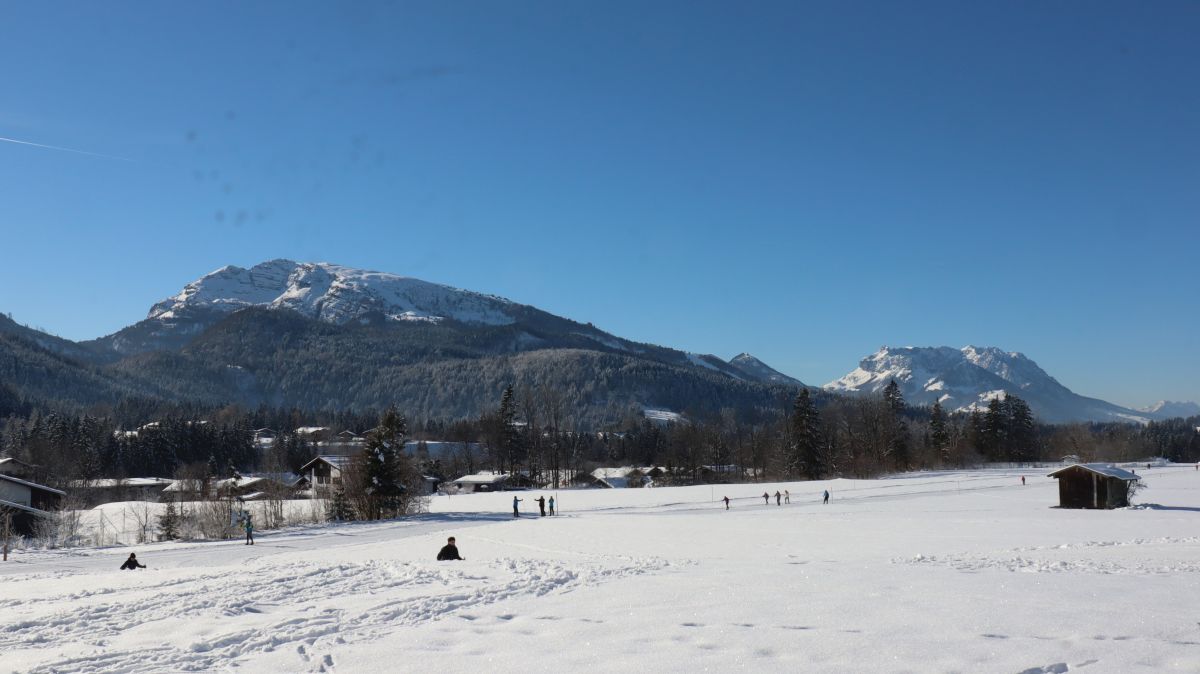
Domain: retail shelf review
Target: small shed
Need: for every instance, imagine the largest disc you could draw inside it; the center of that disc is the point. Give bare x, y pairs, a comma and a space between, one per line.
1093, 485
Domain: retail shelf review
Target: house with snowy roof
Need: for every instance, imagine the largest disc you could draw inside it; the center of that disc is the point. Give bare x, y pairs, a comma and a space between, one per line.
483, 481
25, 502
314, 433
94, 492
619, 478
324, 472
17, 468
1093, 485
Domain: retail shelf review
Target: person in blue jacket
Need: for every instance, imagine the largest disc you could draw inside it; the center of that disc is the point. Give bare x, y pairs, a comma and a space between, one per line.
516, 508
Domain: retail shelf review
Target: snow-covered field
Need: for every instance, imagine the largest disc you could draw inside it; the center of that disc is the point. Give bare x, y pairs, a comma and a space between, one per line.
935, 572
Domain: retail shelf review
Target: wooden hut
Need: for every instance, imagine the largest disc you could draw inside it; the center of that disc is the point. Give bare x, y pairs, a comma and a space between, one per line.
1093, 485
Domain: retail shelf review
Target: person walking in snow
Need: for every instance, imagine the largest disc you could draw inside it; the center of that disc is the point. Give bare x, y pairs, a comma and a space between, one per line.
826, 501
778, 498
1022, 480
726, 503
787, 496
249, 525
449, 552
552, 506
766, 498
541, 501
132, 563
516, 508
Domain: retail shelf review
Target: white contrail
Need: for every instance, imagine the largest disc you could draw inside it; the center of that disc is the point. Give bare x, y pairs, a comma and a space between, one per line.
63, 149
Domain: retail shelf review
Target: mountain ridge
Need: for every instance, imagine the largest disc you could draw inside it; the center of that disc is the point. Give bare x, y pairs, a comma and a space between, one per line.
966, 379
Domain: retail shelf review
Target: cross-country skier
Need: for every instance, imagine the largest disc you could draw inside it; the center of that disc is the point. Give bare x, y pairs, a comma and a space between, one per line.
449, 551
766, 498
249, 526
132, 563
541, 501
552, 506
787, 496
516, 508
778, 498
826, 497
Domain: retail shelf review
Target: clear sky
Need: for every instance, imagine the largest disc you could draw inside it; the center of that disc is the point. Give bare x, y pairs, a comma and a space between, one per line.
803, 181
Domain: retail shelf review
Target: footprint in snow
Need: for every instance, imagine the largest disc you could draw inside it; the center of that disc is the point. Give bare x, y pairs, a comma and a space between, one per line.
1056, 668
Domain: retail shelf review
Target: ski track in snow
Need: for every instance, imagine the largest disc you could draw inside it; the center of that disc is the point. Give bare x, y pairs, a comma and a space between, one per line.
1041, 559
407, 594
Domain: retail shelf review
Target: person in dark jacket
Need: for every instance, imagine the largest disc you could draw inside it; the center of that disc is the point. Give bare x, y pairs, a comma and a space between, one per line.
826, 498
778, 498
766, 498
552, 506
726, 503
541, 501
449, 551
248, 525
132, 563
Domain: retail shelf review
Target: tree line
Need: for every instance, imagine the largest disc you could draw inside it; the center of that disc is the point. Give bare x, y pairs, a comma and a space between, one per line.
536, 433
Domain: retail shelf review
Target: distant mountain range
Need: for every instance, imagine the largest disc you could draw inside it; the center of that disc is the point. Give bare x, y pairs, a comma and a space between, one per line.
1165, 409
324, 336
968, 378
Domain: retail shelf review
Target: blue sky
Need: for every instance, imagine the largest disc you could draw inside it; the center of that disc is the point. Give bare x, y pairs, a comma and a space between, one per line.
803, 181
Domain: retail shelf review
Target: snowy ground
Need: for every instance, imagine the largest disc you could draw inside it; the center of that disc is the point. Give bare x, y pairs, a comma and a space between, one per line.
937, 572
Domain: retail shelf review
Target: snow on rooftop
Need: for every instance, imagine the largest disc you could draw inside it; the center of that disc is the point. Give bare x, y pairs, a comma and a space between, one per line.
482, 477
1105, 469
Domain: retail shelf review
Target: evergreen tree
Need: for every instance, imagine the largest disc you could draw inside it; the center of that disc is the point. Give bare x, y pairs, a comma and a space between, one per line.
338, 508
1022, 433
898, 441
995, 428
382, 457
805, 452
939, 433
168, 522
510, 436
894, 398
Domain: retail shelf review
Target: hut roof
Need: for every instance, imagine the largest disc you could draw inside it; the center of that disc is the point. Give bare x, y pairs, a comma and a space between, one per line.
32, 485
1100, 469
339, 461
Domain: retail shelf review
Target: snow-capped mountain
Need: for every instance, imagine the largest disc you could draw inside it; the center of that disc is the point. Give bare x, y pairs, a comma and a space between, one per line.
969, 378
319, 335
1166, 409
760, 371
333, 294
319, 290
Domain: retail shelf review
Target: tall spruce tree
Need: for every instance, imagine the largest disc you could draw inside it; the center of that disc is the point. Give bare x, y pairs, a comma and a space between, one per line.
510, 436
1021, 439
995, 428
806, 456
898, 441
382, 470
939, 432
893, 396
